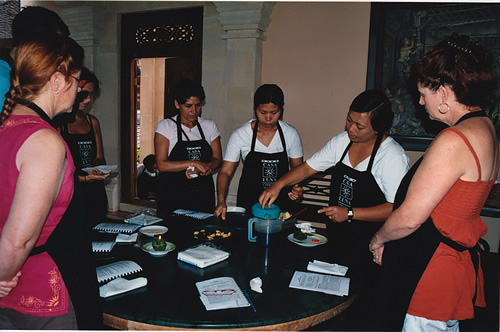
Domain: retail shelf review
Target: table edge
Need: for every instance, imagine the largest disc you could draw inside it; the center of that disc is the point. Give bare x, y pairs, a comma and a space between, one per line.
300, 324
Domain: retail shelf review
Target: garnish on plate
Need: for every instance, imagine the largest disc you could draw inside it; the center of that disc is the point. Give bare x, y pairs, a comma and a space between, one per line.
303, 231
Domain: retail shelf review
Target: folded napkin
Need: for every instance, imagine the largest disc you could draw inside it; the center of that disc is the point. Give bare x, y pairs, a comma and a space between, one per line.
121, 285
126, 238
324, 267
202, 256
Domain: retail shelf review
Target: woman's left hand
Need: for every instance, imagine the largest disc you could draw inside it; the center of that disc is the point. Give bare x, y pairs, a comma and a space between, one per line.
7, 286
198, 168
376, 249
335, 213
297, 193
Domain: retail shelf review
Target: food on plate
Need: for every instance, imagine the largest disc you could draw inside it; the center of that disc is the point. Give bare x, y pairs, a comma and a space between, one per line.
284, 215
210, 235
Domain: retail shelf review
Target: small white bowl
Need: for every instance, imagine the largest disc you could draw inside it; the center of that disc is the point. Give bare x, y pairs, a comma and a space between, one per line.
236, 209
151, 231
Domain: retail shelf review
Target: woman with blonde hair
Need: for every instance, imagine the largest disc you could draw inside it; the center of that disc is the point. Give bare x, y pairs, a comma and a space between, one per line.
37, 184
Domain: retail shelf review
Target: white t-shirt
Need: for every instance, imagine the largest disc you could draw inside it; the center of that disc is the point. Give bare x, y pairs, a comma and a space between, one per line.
240, 142
168, 128
389, 167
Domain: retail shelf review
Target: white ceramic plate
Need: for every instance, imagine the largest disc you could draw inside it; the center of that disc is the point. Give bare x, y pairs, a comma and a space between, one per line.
148, 247
236, 209
311, 241
103, 168
151, 231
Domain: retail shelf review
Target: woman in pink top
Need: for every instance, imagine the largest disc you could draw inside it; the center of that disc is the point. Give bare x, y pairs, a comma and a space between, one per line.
37, 184
428, 247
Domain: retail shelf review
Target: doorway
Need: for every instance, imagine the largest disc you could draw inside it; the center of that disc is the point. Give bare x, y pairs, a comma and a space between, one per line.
158, 50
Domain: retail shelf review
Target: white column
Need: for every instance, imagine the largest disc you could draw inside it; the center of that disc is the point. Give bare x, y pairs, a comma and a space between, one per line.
244, 25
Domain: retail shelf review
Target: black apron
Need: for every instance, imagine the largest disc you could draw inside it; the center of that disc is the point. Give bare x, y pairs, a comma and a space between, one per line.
405, 260
356, 189
83, 148
178, 192
260, 171
70, 247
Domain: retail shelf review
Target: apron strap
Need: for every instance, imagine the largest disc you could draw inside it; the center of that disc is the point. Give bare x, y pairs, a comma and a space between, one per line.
40, 112
179, 131
254, 135
374, 152
282, 137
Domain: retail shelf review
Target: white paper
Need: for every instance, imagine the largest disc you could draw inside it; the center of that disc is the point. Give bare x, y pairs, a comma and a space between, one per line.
192, 214
313, 224
121, 285
332, 285
324, 267
102, 246
221, 293
116, 269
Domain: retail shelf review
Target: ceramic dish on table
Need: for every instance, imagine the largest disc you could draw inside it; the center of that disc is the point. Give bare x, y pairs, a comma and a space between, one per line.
312, 240
151, 231
236, 209
148, 247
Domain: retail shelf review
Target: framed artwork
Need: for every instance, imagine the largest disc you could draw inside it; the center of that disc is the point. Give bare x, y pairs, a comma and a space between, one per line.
400, 34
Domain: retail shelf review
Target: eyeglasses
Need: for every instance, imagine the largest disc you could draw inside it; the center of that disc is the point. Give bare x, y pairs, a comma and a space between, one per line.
81, 83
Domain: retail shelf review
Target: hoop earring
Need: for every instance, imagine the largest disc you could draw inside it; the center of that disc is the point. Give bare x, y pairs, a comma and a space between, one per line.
439, 108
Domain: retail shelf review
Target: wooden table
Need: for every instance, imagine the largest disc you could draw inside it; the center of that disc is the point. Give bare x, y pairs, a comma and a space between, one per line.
171, 300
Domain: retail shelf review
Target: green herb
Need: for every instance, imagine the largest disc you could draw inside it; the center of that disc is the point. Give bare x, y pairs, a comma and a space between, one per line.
299, 235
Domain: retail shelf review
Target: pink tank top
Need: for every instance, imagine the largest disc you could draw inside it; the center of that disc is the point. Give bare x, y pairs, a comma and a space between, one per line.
41, 290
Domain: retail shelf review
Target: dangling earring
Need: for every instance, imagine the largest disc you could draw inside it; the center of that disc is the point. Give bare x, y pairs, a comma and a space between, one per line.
439, 108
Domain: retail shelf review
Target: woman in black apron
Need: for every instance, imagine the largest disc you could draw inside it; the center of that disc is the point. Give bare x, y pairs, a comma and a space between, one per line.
431, 278
263, 167
82, 133
186, 172
358, 205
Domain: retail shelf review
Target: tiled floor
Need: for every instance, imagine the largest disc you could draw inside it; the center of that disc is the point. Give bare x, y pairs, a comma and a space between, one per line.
487, 319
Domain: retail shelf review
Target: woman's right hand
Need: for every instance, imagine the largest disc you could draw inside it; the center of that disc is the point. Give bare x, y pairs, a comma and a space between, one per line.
220, 210
269, 196
94, 175
200, 168
7, 286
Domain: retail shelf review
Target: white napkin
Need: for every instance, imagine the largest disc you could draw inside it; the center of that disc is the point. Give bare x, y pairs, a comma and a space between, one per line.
256, 285
324, 267
202, 256
126, 238
121, 285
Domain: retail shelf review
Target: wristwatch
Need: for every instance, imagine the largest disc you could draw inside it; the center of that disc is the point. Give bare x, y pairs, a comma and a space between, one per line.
350, 214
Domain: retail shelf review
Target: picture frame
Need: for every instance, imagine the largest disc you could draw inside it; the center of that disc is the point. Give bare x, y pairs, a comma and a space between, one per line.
400, 34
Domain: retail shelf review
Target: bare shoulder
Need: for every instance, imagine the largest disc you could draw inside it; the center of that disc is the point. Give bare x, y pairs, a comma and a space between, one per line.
94, 119
44, 143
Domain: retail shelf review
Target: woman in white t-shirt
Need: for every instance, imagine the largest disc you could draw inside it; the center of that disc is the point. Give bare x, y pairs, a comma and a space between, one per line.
366, 166
268, 148
187, 150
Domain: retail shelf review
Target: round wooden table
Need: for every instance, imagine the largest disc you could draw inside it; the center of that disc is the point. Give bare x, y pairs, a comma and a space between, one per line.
171, 300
